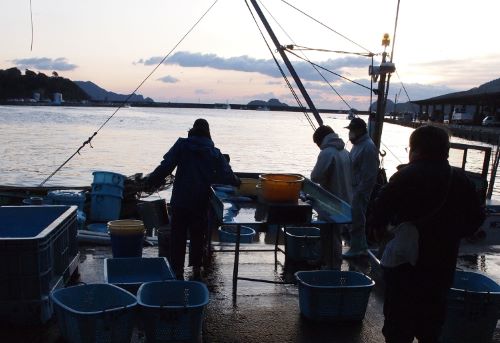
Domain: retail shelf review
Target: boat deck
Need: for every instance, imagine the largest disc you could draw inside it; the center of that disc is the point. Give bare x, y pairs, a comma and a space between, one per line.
262, 312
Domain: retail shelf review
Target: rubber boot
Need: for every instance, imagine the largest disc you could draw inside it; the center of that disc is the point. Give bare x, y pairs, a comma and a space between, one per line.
358, 247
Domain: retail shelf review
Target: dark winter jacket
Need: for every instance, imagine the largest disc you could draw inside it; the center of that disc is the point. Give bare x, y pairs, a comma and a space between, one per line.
199, 164
413, 192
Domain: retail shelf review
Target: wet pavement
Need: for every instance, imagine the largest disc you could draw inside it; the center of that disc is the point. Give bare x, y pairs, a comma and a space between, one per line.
262, 312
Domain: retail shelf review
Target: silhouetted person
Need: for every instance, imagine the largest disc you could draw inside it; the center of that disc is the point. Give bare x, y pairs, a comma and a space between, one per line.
444, 206
199, 164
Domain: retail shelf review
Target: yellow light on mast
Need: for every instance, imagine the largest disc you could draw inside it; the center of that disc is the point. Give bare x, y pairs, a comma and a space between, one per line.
386, 40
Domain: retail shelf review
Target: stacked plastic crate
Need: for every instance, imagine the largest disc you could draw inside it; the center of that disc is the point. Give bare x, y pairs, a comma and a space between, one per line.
37, 246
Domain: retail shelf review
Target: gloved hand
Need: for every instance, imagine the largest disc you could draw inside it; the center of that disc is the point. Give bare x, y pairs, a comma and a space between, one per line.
237, 181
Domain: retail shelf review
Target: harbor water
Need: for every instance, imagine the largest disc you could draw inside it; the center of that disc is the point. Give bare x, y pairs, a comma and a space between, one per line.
35, 140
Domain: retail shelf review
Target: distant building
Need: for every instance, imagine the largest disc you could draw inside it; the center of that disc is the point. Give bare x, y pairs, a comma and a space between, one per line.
36, 96
58, 99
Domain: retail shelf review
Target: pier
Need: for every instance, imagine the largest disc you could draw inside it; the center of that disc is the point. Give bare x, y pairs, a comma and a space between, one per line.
489, 135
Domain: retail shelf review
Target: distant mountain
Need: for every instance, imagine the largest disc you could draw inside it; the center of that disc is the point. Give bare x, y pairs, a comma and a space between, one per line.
399, 107
97, 93
270, 103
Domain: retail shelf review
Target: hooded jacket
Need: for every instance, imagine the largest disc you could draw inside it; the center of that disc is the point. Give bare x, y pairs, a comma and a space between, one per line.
333, 168
199, 164
365, 163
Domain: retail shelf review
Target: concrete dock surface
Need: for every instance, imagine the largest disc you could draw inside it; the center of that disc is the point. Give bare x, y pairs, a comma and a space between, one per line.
261, 312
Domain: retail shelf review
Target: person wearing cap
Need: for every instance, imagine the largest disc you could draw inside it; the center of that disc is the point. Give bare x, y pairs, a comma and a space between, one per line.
333, 172
365, 165
199, 164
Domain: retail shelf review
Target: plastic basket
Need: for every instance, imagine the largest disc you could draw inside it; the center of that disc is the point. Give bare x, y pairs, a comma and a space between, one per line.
473, 308
303, 243
94, 313
228, 234
329, 295
130, 273
110, 178
105, 207
172, 311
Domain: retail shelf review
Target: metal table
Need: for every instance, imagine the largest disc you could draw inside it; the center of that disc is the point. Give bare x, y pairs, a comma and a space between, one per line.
326, 210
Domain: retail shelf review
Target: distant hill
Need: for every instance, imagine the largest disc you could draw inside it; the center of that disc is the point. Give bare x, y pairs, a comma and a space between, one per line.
15, 85
270, 103
97, 93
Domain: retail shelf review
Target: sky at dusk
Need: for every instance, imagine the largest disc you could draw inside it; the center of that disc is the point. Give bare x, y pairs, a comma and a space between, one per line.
441, 46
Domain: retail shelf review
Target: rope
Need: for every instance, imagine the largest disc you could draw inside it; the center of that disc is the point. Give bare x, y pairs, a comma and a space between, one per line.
402, 85
305, 57
326, 26
89, 140
281, 70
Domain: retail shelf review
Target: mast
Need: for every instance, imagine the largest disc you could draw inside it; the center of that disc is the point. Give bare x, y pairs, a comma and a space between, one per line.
382, 71
287, 63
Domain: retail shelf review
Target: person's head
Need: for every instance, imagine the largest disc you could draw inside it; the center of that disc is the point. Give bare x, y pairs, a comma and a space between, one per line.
200, 128
357, 128
320, 133
429, 142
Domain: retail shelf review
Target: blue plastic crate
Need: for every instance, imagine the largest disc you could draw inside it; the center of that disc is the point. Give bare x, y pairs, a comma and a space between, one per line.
105, 207
227, 234
330, 295
473, 308
110, 178
27, 313
303, 243
131, 272
34, 249
172, 311
94, 313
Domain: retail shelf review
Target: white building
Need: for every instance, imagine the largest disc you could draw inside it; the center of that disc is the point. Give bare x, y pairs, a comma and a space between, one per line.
58, 98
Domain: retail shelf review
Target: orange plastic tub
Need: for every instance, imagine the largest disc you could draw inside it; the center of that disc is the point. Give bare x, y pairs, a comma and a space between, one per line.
281, 187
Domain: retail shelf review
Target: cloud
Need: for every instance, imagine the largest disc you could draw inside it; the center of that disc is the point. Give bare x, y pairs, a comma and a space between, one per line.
253, 65
168, 79
200, 91
44, 63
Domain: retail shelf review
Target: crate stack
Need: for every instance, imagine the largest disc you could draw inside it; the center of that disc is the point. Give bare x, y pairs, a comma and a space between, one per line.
37, 247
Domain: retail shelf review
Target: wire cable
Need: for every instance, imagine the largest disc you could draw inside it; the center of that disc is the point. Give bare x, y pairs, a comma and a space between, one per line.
300, 48
326, 26
290, 87
89, 140
307, 59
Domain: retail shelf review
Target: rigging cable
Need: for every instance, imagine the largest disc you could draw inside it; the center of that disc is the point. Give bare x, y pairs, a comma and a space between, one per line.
305, 57
89, 140
328, 70
329, 28
281, 71
31, 18
402, 85
301, 48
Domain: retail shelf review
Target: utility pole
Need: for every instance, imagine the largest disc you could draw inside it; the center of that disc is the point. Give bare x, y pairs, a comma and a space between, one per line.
287, 63
380, 72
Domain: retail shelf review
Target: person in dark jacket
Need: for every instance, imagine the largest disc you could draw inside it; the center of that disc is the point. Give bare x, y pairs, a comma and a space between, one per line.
445, 211
199, 164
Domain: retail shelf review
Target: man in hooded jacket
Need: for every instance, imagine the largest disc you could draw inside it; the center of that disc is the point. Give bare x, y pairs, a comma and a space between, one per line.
333, 172
199, 164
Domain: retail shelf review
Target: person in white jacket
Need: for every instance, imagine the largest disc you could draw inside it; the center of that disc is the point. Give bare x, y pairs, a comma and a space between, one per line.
365, 165
333, 172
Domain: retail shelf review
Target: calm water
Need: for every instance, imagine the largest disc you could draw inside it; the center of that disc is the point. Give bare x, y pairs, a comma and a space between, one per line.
36, 140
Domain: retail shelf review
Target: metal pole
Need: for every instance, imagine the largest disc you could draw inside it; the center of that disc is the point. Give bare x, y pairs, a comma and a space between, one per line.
287, 63
376, 134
